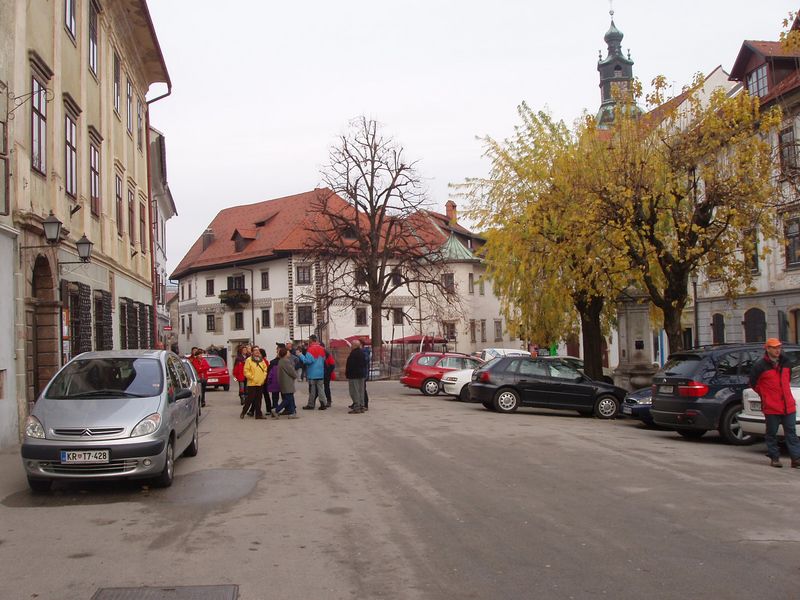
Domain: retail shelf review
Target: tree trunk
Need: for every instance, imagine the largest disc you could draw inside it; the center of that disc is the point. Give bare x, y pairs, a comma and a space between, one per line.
377, 330
589, 310
672, 327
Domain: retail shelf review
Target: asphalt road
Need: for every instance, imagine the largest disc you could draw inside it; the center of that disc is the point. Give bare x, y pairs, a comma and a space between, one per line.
419, 498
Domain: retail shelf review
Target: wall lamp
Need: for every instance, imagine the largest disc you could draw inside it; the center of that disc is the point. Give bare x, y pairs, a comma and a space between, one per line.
52, 232
84, 246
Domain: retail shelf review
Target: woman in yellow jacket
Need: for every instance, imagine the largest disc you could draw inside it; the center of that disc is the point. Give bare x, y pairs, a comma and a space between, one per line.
255, 371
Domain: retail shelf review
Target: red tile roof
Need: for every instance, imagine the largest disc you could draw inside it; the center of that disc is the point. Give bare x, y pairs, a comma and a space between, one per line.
762, 48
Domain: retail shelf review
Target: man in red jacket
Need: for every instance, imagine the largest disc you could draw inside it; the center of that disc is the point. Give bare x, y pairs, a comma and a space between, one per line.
770, 378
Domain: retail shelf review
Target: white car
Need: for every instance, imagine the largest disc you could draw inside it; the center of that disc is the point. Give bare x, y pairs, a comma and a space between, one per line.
751, 419
456, 383
488, 354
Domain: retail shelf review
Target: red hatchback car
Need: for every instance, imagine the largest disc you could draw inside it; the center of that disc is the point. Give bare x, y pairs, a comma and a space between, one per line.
218, 375
424, 370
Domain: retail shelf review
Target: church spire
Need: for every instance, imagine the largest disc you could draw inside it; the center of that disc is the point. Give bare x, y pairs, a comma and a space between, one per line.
616, 71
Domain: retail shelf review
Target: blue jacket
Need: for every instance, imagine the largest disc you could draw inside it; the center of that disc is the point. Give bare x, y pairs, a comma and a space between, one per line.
314, 357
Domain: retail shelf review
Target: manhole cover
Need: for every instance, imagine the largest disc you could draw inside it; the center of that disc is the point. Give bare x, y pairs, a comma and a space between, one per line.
191, 592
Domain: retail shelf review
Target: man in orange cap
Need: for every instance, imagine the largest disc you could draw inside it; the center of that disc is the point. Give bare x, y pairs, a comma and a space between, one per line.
770, 378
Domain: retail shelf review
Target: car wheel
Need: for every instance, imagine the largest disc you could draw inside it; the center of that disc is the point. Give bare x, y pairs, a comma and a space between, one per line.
226, 387
691, 434
606, 407
194, 446
464, 394
731, 430
430, 387
165, 479
506, 400
40, 485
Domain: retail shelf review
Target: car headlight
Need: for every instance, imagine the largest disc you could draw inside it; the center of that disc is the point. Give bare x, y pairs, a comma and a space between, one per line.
33, 428
147, 425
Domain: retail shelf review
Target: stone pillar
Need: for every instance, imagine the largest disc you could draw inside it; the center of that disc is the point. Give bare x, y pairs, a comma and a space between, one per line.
635, 369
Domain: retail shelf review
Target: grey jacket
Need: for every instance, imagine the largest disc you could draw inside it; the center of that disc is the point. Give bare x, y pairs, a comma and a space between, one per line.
286, 374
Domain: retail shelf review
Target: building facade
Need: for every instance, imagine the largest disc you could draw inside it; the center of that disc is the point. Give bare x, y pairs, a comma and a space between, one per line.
248, 279
75, 129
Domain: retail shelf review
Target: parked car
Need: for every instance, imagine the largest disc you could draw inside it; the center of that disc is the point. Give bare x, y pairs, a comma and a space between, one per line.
701, 389
751, 418
217, 375
489, 353
637, 405
423, 371
112, 414
546, 382
578, 364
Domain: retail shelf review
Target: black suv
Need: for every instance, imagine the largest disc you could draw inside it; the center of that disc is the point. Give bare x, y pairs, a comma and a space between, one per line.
701, 389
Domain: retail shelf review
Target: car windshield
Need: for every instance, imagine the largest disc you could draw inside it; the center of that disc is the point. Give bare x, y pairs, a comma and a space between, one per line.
215, 362
108, 378
682, 365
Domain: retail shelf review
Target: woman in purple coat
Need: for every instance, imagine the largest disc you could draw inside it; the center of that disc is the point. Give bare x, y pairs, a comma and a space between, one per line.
273, 386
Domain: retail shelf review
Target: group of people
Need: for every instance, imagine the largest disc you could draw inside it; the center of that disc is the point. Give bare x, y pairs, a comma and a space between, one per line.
275, 380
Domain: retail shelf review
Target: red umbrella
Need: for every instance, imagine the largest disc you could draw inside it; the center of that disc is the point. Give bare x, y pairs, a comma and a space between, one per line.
364, 339
338, 343
417, 339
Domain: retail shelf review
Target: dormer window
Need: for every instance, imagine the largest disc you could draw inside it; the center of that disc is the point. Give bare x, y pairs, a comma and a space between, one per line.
757, 82
349, 233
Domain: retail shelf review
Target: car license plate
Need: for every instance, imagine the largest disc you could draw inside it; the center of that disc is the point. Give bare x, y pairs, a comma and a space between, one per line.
213, 380
665, 389
755, 406
626, 410
84, 456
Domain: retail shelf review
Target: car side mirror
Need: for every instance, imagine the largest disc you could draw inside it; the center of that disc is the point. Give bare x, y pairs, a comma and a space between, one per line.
183, 393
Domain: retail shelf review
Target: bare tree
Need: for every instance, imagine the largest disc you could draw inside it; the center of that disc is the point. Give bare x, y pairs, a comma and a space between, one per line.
366, 229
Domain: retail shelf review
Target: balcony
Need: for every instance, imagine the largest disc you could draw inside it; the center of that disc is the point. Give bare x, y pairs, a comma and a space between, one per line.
234, 298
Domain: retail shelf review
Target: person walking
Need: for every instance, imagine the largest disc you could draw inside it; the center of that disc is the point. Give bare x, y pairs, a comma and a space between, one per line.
368, 360
314, 359
355, 371
330, 366
286, 378
770, 378
242, 352
272, 388
200, 365
255, 370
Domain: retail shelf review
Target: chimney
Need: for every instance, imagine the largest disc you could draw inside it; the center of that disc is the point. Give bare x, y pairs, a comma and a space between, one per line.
208, 238
450, 210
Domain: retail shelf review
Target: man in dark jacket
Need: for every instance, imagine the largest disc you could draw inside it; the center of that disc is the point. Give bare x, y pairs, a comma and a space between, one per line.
355, 371
770, 378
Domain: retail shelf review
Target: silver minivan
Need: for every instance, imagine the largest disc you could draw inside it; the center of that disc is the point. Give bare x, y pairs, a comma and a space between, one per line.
112, 414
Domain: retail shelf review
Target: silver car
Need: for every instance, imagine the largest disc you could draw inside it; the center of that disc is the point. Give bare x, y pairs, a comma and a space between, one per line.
112, 414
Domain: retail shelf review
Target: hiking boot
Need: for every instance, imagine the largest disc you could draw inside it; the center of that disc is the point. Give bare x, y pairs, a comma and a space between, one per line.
776, 462
322, 407
796, 463
308, 407
260, 417
328, 405
273, 414
355, 411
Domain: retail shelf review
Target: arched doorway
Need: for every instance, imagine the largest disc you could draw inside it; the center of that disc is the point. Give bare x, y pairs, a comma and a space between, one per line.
42, 323
755, 325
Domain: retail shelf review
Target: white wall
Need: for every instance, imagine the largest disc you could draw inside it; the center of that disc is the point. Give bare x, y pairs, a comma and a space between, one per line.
9, 419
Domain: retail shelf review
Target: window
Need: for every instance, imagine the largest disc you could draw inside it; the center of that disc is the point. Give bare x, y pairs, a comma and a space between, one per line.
427, 360
265, 318
210, 323
94, 179
183, 294
397, 278
449, 328
69, 17
751, 253
132, 218
793, 243
788, 149
238, 320
361, 316
139, 117
183, 325
189, 290
360, 277
189, 329
303, 275
449, 283
472, 335
70, 156
498, 330
481, 289
209, 287
117, 82
142, 228
123, 325
718, 329
483, 330
236, 282
118, 195
304, 314
38, 126
265, 280
471, 283
397, 316
757, 82
92, 37
129, 105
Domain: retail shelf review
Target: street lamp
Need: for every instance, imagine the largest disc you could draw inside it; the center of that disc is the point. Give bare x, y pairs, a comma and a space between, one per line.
694, 278
52, 228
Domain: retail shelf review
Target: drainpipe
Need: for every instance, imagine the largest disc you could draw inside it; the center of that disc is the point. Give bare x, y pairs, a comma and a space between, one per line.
151, 210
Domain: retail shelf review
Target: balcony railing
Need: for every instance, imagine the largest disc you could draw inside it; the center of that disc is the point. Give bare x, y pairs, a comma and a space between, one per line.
234, 297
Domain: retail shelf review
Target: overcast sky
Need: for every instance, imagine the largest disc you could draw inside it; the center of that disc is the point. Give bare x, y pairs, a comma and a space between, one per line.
261, 89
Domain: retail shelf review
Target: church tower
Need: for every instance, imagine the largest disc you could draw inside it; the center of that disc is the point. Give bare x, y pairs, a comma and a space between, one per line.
616, 72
